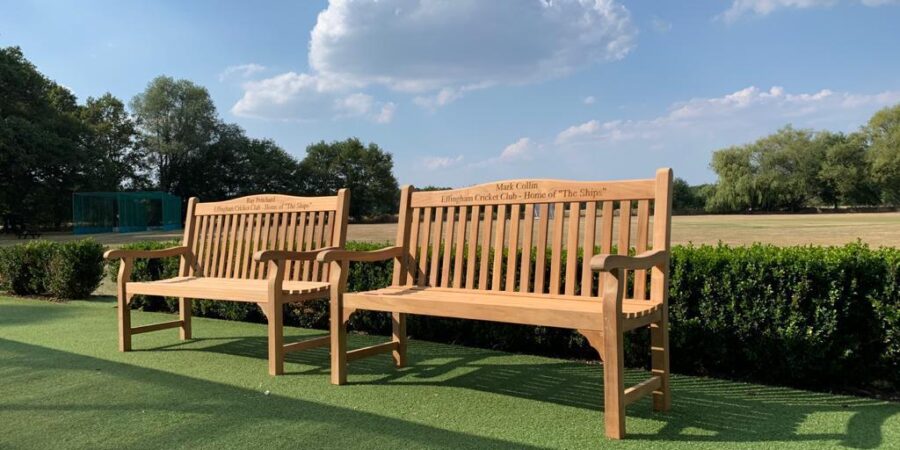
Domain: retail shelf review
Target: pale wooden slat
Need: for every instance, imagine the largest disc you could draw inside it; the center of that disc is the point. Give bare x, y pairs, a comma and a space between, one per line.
413, 262
590, 233
201, 244
308, 243
226, 243
643, 230
401, 265
572, 247
436, 247
247, 245
460, 245
423, 247
514, 216
540, 262
606, 235
499, 236
485, 246
527, 237
556, 246
262, 268
448, 246
233, 256
195, 241
210, 257
317, 243
291, 237
299, 233
327, 239
473, 245
624, 242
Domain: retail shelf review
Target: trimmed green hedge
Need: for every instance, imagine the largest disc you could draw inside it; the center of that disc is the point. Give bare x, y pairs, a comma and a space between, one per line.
63, 270
813, 317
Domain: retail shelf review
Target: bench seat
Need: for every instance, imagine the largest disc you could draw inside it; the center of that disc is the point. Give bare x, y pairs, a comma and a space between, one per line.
510, 307
231, 289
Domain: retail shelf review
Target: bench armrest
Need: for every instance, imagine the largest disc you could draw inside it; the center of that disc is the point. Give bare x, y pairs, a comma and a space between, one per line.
284, 255
643, 261
151, 254
349, 255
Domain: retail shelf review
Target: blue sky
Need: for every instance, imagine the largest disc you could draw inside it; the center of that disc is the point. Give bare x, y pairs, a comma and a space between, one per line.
470, 91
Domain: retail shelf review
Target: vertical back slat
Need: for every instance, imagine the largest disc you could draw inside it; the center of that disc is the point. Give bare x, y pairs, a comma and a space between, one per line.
606, 234
299, 233
499, 236
448, 246
559, 213
527, 236
248, 244
212, 243
226, 243
201, 245
624, 242
291, 236
540, 262
643, 229
308, 243
327, 239
485, 246
413, 262
234, 243
401, 263
460, 245
590, 232
572, 247
514, 216
261, 268
436, 247
423, 247
473, 245
318, 235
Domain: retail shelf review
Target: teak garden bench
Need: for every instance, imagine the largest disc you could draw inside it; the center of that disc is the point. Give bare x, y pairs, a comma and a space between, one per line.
466, 253
258, 249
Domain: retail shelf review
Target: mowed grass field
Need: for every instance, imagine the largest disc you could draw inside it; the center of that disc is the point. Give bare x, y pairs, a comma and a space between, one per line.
876, 229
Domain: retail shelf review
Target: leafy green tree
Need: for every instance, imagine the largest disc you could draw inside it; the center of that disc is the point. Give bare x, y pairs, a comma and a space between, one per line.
112, 141
41, 154
883, 134
686, 197
846, 171
366, 170
179, 122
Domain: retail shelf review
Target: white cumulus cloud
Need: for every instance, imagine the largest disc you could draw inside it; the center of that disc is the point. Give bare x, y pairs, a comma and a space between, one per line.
740, 8
441, 162
241, 71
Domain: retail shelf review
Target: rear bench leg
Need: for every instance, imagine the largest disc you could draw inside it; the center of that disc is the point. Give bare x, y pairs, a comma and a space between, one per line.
398, 326
659, 351
184, 313
276, 337
614, 384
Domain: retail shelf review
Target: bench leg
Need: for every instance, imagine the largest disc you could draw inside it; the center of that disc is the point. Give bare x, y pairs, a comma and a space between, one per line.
614, 384
276, 337
659, 350
184, 314
124, 313
338, 324
398, 333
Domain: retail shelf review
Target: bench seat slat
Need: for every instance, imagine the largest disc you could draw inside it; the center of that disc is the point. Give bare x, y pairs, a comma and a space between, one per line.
224, 288
519, 308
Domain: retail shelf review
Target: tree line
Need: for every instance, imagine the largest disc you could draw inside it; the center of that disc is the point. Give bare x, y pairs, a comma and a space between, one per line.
169, 138
801, 168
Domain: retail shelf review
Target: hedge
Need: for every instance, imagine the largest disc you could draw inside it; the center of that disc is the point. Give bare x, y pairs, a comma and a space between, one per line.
812, 317
64, 270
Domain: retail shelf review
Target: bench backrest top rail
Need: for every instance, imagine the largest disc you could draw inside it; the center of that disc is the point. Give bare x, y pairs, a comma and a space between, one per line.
482, 237
224, 235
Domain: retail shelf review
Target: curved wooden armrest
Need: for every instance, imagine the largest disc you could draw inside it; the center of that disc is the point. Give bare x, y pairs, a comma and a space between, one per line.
152, 254
278, 255
643, 261
349, 255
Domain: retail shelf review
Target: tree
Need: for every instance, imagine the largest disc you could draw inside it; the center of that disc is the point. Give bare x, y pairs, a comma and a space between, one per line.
883, 135
178, 121
41, 153
366, 170
111, 140
846, 171
686, 197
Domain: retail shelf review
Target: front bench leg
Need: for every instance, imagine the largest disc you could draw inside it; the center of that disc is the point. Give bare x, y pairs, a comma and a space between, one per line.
613, 355
398, 335
338, 278
123, 308
274, 310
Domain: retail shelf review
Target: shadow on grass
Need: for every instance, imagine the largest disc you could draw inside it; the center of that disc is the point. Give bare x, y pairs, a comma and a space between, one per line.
214, 409
725, 411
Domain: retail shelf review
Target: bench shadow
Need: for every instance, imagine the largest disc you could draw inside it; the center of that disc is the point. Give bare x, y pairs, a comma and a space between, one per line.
725, 411
211, 406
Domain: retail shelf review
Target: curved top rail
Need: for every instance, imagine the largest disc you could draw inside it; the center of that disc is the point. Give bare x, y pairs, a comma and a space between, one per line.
267, 203
537, 191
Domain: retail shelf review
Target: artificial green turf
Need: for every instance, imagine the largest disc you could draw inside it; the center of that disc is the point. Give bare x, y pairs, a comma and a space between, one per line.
64, 385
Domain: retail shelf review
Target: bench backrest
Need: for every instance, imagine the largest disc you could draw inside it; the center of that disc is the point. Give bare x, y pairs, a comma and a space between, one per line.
224, 235
482, 237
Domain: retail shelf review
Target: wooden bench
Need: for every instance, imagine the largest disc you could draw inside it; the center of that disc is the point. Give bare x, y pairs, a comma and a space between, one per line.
466, 253
258, 249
